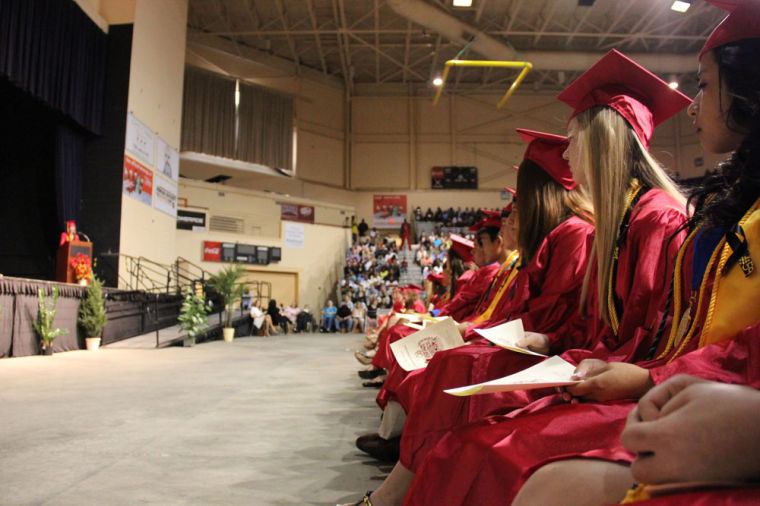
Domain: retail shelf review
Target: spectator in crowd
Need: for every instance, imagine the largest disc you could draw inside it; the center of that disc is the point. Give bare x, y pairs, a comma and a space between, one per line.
362, 228
261, 322
328, 317
357, 317
305, 320
273, 311
343, 316
290, 313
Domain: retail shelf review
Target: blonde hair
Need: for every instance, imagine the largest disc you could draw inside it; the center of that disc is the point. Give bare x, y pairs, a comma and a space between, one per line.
612, 155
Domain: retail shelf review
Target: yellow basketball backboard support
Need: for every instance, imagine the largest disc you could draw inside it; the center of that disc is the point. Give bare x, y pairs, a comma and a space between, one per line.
524, 65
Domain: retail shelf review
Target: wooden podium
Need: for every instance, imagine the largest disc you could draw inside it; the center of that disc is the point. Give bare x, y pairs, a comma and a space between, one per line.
63, 270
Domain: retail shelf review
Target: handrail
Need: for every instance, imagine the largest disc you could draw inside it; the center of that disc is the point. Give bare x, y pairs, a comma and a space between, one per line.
524, 65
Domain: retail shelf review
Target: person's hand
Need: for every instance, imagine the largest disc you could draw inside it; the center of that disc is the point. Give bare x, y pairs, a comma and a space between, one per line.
607, 381
687, 429
535, 341
462, 327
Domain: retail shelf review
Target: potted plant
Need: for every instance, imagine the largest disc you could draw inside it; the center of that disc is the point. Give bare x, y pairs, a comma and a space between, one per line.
192, 317
92, 314
227, 283
45, 319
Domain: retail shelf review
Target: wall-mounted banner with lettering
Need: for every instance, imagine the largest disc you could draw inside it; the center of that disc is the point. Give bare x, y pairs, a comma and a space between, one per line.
388, 211
454, 178
167, 160
297, 212
166, 196
140, 140
191, 220
137, 181
212, 251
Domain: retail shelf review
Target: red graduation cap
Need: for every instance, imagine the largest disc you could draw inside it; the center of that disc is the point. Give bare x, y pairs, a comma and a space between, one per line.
508, 208
639, 96
462, 247
742, 22
546, 151
411, 287
435, 278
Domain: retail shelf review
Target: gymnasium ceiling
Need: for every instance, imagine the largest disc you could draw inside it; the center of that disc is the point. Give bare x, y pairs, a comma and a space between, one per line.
365, 45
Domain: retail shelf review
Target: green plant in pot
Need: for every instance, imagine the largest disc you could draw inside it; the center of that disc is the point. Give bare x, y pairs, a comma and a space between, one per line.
92, 314
227, 283
192, 316
45, 319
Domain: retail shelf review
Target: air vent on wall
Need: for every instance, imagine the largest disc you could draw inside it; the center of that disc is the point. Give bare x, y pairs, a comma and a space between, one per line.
226, 224
220, 178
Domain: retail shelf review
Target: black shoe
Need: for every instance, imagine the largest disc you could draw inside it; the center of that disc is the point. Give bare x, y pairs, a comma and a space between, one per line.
374, 384
370, 374
386, 450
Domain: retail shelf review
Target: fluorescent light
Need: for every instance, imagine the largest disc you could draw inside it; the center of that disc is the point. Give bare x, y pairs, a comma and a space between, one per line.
673, 85
462, 3
437, 81
680, 6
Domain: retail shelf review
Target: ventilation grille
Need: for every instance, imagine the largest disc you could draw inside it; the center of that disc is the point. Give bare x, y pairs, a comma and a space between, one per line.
226, 224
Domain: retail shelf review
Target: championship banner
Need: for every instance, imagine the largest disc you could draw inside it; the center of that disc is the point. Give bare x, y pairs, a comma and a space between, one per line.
296, 212
388, 211
137, 181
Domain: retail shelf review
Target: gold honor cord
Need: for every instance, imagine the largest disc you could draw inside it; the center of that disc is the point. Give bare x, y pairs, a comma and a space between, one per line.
632, 196
524, 65
721, 252
510, 263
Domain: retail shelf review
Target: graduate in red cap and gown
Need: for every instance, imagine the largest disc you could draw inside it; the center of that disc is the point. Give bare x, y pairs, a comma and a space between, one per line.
713, 334
561, 215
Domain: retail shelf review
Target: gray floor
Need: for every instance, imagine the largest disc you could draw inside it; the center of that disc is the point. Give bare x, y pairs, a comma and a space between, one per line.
257, 421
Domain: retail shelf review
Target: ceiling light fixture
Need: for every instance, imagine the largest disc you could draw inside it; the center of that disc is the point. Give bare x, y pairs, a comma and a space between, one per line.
437, 81
673, 82
681, 5
461, 3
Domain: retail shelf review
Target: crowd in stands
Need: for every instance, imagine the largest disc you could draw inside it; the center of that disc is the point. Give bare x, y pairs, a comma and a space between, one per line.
448, 217
648, 296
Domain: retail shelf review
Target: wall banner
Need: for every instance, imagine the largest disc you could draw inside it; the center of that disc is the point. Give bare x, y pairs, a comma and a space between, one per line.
137, 181
166, 196
167, 160
296, 212
388, 211
140, 139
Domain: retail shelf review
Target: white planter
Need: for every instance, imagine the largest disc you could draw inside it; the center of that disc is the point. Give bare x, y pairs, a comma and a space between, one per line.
93, 343
228, 334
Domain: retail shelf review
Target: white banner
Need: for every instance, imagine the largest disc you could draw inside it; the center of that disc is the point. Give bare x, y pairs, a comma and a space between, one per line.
294, 235
165, 196
140, 140
167, 160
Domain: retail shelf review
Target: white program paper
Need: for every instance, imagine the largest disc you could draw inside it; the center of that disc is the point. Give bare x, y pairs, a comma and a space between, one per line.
415, 350
552, 372
507, 335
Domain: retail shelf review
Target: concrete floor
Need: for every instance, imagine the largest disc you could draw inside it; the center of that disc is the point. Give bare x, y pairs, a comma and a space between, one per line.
257, 422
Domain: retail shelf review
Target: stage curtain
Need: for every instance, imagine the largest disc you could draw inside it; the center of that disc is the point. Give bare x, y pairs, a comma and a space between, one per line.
52, 50
208, 114
265, 133
6, 324
69, 158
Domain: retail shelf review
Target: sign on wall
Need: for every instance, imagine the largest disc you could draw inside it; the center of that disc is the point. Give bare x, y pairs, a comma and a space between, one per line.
140, 139
454, 178
166, 196
137, 180
296, 212
388, 211
294, 236
167, 160
191, 220
214, 251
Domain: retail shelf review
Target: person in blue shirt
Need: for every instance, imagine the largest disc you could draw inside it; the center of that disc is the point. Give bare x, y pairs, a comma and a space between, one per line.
328, 317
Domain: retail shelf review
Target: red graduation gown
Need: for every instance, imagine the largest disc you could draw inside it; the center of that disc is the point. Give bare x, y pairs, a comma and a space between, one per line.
480, 280
468, 291
496, 455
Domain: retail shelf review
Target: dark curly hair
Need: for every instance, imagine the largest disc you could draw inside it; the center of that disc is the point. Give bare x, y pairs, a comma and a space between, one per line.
723, 198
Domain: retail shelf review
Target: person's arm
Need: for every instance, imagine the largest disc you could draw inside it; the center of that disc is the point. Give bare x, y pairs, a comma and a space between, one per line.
688, 429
